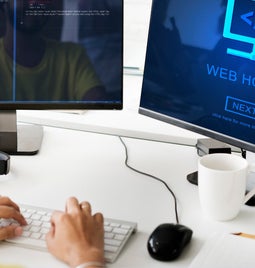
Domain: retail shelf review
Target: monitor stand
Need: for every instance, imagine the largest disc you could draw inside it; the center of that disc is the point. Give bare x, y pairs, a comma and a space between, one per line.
18, 139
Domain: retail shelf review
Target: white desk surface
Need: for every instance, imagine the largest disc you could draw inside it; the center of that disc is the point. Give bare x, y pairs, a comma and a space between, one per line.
91, 167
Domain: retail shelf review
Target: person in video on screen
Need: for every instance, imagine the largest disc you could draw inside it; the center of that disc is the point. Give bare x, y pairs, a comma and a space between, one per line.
76, 236
45, 69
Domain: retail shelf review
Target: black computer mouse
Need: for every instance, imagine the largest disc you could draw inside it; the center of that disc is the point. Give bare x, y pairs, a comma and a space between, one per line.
168, 240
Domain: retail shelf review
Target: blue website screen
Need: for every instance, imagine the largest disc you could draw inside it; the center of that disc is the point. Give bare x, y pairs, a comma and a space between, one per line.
200, 65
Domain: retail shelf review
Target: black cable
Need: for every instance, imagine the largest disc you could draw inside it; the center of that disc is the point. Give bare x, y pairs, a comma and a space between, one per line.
153, 177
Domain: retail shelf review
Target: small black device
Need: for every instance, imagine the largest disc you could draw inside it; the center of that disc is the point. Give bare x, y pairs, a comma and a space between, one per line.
168, 240
4, 163
211, 146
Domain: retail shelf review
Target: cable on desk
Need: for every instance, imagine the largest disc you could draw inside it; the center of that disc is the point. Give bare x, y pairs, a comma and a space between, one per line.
153, 177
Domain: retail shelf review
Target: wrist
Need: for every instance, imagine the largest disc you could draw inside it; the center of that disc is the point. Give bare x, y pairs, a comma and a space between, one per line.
92, 264
91, 257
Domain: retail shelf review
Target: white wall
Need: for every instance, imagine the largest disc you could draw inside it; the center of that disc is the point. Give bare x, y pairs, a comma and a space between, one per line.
136, 25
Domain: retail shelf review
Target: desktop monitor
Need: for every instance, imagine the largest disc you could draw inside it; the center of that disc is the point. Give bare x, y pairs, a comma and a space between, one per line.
57, 54
192, 79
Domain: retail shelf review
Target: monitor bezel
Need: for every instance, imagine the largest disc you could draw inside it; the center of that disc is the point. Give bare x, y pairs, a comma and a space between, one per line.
105, 105
197, 129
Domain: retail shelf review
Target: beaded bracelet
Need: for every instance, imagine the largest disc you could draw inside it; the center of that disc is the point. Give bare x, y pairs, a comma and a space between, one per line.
92, 263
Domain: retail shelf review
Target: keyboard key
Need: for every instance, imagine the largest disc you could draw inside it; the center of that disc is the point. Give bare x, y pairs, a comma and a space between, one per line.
120, 231
112, 242
110, 248
119, 237
108, 235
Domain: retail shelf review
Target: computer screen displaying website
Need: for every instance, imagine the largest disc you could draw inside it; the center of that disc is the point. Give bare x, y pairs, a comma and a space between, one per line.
199, 69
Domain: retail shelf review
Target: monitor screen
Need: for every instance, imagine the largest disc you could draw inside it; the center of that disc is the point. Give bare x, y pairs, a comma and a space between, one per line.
61, 54
199, 68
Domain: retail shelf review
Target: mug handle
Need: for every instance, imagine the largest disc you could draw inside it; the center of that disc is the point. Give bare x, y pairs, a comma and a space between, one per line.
249, 195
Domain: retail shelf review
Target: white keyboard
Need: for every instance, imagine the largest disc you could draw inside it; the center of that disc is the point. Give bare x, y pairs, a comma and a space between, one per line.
117, 232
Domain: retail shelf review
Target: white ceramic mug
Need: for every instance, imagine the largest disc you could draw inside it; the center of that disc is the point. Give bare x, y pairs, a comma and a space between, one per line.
222, 185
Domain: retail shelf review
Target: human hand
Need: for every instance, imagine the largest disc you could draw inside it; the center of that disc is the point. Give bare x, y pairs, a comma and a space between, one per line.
76, 236
8, 210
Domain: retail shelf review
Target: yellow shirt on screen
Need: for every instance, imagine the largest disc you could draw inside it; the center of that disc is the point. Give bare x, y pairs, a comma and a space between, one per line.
64, 74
